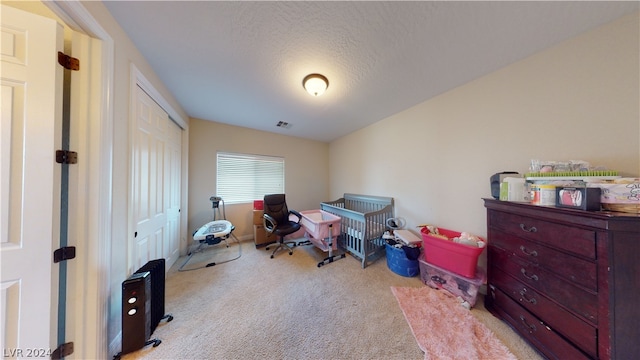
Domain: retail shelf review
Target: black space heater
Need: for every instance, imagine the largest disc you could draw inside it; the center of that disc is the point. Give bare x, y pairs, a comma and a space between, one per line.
157, 270
143, 306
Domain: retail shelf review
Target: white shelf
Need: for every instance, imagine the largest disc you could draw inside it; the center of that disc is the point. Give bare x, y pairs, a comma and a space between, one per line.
580, 178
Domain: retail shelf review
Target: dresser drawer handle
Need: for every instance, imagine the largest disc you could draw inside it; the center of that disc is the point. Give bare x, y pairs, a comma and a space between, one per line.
527, 252
531, 327
530, 229
532, 277
523, 293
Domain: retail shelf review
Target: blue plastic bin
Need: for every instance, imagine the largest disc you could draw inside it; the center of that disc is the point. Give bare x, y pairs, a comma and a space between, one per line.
398, 262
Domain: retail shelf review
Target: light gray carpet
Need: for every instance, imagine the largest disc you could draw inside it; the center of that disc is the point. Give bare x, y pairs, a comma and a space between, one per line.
256, 307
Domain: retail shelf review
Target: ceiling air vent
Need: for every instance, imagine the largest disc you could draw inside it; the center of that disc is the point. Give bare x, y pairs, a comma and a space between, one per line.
283, 124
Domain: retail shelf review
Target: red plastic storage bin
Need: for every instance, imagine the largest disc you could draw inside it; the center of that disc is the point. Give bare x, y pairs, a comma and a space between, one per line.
258, 204
458, 258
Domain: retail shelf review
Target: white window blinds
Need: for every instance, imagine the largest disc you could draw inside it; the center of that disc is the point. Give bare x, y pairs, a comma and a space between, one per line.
244, 177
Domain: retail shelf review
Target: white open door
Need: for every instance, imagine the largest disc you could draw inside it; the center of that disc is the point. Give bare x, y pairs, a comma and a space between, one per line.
30, 185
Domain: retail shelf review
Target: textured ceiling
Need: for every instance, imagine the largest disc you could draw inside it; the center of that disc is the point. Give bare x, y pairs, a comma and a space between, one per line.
242, 63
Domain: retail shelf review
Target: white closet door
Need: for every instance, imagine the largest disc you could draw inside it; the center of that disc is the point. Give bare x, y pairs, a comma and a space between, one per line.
30, 180
156, 205
174, 175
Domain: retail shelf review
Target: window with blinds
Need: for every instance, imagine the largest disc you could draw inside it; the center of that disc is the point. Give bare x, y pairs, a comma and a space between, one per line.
244, 178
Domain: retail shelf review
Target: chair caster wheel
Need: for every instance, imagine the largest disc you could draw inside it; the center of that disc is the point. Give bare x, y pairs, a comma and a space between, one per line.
291, 253
272, 256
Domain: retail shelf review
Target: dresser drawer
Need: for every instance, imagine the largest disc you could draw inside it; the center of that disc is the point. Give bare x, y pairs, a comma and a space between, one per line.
574, 269
577, 300
546, 340
575, 240
559, 319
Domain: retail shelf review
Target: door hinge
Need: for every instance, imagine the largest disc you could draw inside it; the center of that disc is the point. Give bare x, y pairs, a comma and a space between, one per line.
66, 157
62, 351
68, 62
64, 253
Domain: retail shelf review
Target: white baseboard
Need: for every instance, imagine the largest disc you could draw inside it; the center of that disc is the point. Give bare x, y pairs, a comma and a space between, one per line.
115, 347
245, 237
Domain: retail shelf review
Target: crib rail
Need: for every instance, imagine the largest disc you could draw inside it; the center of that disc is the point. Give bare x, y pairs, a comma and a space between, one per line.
366, 203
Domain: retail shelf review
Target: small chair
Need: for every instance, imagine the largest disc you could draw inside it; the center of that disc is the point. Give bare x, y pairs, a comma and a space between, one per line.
276, 221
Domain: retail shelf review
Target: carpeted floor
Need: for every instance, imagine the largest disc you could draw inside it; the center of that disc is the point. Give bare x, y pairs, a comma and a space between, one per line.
256, 307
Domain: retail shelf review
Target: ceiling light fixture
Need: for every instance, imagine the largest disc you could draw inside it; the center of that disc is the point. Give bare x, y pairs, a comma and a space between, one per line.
315, 84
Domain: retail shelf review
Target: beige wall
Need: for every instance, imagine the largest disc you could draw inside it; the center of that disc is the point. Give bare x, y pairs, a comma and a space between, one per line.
306, 170
576, 101
125, 54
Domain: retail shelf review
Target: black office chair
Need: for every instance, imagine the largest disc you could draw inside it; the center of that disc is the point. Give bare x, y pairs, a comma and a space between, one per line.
276, 221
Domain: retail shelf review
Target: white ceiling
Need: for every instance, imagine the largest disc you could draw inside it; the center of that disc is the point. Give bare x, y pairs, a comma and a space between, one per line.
242, 63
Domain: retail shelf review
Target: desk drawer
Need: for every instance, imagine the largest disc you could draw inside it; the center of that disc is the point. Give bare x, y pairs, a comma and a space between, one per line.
559, 319
575, 240
574, 269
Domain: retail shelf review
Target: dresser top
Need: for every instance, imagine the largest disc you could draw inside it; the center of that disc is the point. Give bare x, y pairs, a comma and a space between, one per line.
608, 220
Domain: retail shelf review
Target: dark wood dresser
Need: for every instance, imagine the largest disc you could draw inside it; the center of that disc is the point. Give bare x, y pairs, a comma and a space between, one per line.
567, 280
